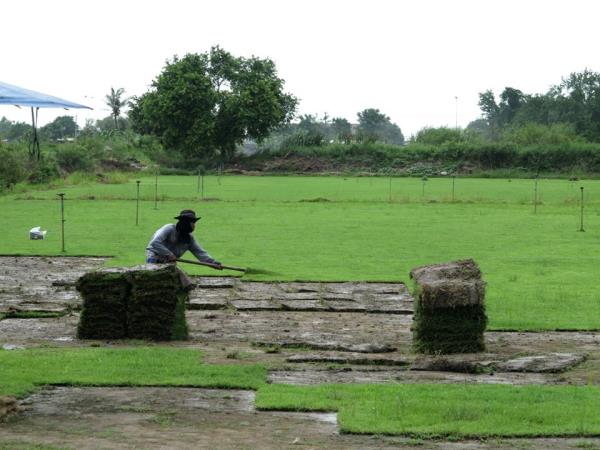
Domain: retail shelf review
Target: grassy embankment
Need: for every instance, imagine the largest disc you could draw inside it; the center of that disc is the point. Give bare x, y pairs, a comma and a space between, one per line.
540, 270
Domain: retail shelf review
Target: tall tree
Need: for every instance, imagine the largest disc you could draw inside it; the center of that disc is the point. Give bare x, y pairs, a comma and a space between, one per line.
499, 115
115, 103
342, 129
577, 100
373, 125
60, 128
205, 104
511, 100
13, 130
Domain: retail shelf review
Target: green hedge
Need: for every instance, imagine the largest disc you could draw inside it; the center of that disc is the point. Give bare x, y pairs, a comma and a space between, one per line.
562, 157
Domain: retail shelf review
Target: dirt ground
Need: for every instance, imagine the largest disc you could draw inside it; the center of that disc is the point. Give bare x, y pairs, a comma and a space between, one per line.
305, 333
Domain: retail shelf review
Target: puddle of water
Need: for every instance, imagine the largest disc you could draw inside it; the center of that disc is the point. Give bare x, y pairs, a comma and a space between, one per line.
12, 347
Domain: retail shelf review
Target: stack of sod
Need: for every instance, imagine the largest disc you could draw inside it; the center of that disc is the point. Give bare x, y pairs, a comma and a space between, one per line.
143, 302
104, 311
157, 305
449, 308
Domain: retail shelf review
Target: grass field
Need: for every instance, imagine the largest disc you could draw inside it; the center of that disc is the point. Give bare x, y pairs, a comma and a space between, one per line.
540, 270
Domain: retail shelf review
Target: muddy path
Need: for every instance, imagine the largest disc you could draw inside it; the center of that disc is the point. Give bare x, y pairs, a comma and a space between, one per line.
304, 333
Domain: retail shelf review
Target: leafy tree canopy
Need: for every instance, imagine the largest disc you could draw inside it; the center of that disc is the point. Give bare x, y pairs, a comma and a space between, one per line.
438, 136
342, 129
60, 128
373, 125
12, 131
575, 102
205, 104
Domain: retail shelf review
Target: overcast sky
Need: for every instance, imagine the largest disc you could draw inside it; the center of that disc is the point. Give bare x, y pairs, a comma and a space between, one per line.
422, 63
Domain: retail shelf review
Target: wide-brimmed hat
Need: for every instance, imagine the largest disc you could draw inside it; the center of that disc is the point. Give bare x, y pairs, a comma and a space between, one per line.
188, 214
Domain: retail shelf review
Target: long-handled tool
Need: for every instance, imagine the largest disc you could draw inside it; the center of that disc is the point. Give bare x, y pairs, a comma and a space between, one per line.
246, 270
214, 266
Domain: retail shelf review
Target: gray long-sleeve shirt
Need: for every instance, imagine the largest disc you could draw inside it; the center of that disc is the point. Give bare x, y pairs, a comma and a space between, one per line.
165, 243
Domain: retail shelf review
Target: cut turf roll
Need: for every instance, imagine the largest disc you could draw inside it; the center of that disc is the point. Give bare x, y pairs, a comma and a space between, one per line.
142, 302
157, 305
449, 308
104, 310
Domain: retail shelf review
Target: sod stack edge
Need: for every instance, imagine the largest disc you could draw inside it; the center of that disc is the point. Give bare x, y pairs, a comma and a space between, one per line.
449, 308
141, 302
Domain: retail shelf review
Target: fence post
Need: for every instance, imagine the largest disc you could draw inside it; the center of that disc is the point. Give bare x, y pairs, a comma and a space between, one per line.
137, 203
156, 189
581, 223
62, 221
535, 195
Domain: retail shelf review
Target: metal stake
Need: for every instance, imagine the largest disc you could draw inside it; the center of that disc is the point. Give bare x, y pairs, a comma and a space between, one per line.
137, 203
581, 226
156, 190
535, 196
390, 196
453, 177
62, 220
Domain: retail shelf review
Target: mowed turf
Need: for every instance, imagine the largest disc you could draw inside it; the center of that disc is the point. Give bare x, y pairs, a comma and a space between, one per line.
415, 410
424, 410
540, 269
22, 371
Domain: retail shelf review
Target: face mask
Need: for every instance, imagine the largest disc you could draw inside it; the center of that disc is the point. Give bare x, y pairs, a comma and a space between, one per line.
184, 227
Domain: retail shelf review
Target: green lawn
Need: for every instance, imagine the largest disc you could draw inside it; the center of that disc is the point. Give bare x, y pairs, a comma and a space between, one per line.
334, 189
22, 370
540, 270
447, 410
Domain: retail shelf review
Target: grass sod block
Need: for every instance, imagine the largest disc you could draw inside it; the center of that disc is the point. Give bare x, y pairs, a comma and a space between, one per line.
104, 311
449, 308
153, 304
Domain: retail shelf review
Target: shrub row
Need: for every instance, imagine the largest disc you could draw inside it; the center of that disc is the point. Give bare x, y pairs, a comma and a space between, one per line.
86, 155
487, 156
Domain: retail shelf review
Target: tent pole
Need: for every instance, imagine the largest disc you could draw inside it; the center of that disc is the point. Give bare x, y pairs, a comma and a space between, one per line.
34, 150
35, 135
31, 143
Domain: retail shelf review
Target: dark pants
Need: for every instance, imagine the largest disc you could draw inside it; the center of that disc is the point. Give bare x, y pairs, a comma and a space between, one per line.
151, 260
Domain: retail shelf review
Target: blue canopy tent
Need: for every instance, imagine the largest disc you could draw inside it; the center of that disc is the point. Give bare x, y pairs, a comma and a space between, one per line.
14, 95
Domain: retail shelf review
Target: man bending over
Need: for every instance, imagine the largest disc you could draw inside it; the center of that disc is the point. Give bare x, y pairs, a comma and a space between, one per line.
171, 241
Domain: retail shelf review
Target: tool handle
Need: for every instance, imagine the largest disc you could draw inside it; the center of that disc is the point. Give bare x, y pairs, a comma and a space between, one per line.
214, 266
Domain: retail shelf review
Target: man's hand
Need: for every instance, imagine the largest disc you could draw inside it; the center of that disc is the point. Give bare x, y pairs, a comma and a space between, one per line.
171, 258
217, 264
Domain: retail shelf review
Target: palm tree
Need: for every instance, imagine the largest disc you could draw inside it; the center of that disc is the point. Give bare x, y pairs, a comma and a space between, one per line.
115, 103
